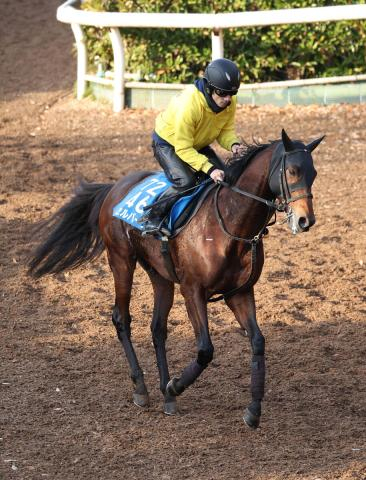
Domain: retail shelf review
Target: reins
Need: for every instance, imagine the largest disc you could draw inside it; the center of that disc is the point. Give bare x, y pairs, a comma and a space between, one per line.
269, 203
220, 220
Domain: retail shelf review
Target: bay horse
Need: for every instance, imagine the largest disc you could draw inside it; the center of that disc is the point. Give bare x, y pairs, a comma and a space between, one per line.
220, 251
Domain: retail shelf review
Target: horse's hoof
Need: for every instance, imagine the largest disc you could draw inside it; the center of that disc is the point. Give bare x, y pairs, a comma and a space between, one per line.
140, 400
250, 419
170, 408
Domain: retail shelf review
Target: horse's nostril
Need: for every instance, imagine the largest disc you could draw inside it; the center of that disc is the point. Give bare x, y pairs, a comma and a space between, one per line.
303, 222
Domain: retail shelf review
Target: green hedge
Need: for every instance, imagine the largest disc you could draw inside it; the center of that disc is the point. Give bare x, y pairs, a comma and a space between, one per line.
263, 54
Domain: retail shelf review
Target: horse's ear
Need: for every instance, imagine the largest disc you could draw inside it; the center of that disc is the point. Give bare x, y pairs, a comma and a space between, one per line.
312, 146
287, 142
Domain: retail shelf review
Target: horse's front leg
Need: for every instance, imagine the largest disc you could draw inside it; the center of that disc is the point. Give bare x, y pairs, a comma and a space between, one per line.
243, 307
196, 305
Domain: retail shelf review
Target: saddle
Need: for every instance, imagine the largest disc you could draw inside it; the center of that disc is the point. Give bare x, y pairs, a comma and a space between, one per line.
132, 208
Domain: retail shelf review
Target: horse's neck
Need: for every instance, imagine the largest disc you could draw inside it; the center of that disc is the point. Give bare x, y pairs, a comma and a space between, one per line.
254, 179
244, 216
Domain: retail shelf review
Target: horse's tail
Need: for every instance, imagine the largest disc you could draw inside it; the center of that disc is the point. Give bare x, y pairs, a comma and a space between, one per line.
74, 236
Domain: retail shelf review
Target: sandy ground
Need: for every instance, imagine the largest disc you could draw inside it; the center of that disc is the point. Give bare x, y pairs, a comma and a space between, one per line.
66, 410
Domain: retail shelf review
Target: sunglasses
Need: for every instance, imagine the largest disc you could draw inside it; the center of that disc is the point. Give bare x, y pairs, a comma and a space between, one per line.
225, 93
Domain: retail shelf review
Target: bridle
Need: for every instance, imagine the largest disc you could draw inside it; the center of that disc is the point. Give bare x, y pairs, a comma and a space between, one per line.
282, 191
285, 190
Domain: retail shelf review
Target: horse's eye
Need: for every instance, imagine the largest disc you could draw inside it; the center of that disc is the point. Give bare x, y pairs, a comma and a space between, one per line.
293, 171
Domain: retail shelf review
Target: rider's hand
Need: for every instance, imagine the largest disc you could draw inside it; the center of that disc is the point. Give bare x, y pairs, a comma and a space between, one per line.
238, 149
217, 175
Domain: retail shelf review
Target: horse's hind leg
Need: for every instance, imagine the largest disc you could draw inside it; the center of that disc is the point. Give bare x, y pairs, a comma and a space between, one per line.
163, 301
123, 267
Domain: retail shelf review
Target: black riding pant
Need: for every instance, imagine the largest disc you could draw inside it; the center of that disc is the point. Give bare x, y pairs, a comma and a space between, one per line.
181, 174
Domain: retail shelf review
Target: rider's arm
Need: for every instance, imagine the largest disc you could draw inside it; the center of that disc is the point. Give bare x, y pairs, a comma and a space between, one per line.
186, 120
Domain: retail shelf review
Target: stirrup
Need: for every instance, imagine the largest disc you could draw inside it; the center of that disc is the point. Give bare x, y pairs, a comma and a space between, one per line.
158, 234
144, 218
158, 230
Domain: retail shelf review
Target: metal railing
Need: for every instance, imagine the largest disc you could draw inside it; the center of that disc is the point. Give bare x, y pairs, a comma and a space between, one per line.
67, 13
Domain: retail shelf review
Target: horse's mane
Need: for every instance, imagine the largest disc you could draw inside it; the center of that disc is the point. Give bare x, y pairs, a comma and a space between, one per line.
238, 164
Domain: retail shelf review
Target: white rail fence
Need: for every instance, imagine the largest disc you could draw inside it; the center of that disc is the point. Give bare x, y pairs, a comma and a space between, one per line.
68, 13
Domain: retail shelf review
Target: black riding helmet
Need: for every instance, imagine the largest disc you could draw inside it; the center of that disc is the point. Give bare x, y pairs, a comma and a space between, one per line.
222, 74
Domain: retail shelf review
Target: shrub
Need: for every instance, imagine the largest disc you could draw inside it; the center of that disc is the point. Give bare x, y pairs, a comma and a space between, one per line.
263, 53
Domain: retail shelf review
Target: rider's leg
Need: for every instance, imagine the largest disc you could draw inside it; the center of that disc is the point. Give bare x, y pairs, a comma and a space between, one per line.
182, 177
179, 173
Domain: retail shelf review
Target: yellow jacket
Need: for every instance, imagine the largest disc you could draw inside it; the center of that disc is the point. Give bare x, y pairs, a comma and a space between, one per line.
189, 124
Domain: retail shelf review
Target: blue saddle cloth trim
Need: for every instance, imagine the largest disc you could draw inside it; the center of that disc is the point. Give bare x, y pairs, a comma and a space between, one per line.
131, 208
181, 204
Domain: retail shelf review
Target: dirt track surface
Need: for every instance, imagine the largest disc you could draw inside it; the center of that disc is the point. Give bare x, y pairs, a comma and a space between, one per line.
66, 410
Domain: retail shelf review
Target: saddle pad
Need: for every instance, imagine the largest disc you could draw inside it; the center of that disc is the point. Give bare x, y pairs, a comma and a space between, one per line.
182, 203
131, 208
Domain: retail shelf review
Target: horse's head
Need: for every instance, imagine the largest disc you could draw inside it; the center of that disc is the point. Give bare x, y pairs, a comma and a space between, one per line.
292, 175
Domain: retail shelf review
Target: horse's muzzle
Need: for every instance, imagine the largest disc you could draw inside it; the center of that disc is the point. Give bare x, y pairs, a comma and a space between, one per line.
300, 223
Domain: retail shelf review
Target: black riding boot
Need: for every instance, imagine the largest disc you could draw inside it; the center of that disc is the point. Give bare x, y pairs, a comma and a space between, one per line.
154, 220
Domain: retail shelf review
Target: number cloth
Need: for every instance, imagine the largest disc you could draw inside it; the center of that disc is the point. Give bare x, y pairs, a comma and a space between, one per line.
131, 208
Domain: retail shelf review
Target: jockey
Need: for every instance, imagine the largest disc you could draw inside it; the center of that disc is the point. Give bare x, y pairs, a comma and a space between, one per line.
202, 113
